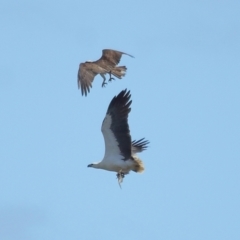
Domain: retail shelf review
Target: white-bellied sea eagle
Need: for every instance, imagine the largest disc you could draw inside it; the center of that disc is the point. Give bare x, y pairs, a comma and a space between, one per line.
120, 151
106, 64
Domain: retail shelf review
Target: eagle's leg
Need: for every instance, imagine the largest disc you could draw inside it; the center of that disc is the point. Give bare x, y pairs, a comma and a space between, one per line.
120, 176
110, 77
104, 80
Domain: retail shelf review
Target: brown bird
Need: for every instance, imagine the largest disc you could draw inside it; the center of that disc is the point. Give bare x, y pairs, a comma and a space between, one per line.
106, 64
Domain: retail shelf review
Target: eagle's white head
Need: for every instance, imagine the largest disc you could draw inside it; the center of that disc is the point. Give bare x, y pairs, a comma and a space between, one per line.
95, 165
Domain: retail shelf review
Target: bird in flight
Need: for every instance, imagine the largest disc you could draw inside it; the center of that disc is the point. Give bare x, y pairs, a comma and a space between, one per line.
120, 151
106, 64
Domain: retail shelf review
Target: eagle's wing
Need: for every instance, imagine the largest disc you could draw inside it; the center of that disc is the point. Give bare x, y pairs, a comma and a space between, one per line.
86, 75
115, 127
139, 146
110, 58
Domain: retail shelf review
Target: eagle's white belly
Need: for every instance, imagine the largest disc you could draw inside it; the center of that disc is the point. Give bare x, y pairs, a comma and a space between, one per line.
117, 164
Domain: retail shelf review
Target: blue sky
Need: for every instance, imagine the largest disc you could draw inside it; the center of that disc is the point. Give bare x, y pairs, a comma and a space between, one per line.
185, 83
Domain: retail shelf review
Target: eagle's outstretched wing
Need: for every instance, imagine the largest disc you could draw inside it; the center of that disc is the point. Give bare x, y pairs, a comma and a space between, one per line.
115, 128
139, 146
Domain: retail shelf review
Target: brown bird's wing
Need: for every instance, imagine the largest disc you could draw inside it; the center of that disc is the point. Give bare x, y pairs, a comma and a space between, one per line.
110, 58
86, 75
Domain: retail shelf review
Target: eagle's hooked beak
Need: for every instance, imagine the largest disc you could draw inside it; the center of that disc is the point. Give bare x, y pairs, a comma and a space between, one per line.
90, 165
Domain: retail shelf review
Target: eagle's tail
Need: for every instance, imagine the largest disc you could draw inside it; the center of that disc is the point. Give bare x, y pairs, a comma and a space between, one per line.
119, 72
138, 166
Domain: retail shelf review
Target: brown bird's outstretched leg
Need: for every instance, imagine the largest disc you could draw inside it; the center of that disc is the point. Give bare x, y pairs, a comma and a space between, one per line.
120, 176
104, 80
110, 77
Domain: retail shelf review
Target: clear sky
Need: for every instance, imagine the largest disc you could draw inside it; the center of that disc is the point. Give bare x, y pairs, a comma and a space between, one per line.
185, 84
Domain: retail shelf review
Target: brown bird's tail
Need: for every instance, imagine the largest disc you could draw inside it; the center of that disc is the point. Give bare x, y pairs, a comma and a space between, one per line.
119, 72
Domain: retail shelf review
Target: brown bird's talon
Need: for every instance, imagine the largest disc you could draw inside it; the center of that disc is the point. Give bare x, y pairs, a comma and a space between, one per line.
104, 84
110, 79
